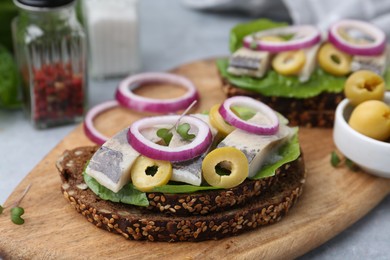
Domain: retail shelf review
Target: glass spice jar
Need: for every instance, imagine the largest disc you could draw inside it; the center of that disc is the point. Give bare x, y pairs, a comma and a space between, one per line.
50, 49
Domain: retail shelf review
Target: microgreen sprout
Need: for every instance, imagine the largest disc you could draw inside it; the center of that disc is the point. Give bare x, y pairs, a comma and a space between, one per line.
16, 210
337, 160
182, 129
165, 134
351, 165
253, 45
16, 213
244, 113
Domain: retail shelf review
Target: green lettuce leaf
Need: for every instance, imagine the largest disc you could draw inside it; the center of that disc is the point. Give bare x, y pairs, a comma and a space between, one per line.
273, 84
244, 113
128, 194
288, 153
241, 30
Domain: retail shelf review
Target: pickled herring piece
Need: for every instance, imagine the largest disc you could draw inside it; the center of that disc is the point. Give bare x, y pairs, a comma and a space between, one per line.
259, 149
249, 62
111, 164
190, 171
377, 64
310, 64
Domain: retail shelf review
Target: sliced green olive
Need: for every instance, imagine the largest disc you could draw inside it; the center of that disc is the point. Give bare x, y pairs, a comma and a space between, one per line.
225, 167
147, 173
218, 122
334, 61
364, 85
289, 62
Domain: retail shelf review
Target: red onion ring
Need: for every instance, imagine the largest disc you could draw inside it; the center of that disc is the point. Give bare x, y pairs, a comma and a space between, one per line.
233, 119
305, 36
127, 98
369, 49
146, 147
89, 128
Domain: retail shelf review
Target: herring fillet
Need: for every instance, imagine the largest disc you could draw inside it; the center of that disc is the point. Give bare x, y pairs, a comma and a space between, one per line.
189, 171
249, 62
377, 64
257, 148
310, 64
111, 164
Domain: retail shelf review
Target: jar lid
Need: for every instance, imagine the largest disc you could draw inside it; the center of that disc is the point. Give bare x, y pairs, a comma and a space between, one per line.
44, 3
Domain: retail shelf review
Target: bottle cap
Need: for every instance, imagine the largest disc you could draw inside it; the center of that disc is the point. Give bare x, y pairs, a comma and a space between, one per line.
44, 3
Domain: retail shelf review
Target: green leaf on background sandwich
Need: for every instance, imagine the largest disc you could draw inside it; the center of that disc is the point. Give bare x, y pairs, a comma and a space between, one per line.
130, 195
241, 30
274, 84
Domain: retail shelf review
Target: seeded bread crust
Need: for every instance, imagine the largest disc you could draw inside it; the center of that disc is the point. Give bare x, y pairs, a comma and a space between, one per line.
316, 111
196, 203
138, 223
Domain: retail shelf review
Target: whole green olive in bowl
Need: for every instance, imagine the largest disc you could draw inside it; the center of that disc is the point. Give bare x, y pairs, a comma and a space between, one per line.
371, 155
372, 118
364, 85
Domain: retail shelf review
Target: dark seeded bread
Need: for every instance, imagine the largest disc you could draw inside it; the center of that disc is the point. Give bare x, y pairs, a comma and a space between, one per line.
316, 111
185, 204
142, 224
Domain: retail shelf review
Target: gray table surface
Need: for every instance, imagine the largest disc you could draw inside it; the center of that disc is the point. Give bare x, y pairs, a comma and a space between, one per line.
170, 35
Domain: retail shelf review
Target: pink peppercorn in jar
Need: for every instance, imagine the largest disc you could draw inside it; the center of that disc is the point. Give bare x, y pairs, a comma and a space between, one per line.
50, 51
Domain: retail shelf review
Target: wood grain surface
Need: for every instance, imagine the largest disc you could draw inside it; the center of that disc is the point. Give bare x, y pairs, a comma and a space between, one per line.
333, 199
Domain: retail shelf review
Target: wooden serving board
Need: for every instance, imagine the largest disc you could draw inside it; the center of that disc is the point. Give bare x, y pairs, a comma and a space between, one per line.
332, 200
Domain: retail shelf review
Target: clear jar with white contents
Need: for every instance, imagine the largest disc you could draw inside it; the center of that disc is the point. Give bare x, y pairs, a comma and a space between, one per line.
112, 29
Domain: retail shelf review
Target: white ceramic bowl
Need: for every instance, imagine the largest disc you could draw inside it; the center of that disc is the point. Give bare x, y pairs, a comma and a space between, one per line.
371, 155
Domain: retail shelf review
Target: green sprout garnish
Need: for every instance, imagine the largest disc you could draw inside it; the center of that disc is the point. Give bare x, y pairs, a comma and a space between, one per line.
165, 134
287, 37
16, 210
244, 113
253, 45
351, 165
183, 130
16, 213
335, 159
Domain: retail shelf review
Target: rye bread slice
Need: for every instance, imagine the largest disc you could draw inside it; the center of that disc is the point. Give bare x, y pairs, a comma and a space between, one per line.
138, 223
195, 203
316, 111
